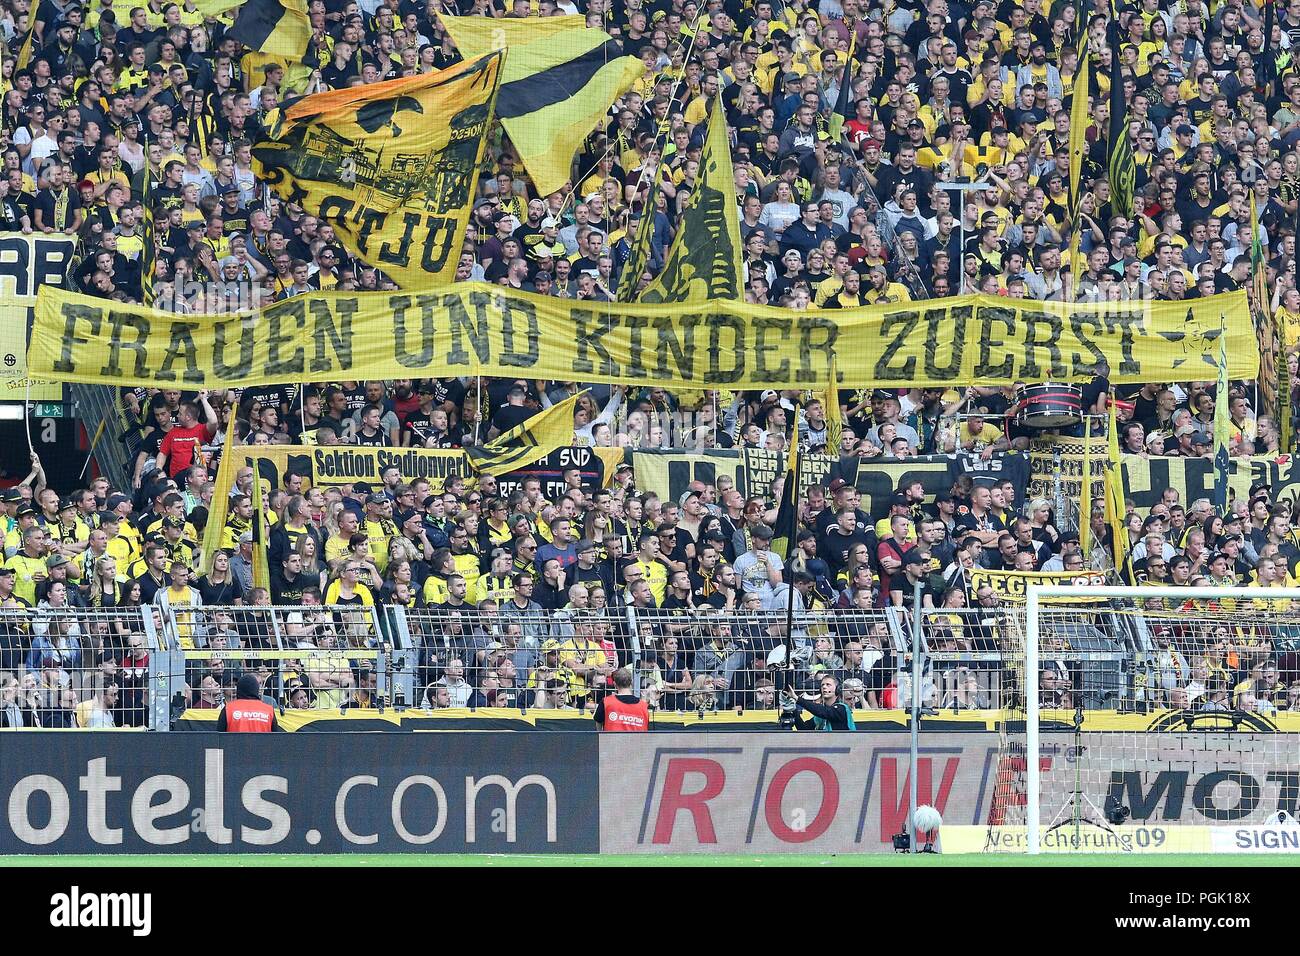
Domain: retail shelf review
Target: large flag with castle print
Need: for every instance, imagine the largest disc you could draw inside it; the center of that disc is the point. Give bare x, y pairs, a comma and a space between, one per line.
704, 260
392, 166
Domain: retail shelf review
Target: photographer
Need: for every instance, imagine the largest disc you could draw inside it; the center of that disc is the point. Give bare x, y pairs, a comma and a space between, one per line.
828, 712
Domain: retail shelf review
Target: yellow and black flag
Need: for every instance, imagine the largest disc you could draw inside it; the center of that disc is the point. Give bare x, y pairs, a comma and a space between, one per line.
261, 534
1269, 371
281, 27
641, 248
297, 75
1079, 119
1222, 429
149, 254
786, 528
1116, 510
526, 443
25, 52
834, 413
557, 85
844, 102
1123, 171
705, 260
395, 162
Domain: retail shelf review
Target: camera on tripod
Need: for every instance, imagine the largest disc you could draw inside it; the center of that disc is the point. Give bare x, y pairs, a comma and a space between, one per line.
789, 708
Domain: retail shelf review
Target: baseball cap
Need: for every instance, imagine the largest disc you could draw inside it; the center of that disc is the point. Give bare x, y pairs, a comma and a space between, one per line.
11, 494
549, 223
912, 556
837, 484
56, 561
116, 499
170, 522
376, 499
1201, 438
25, 510
586, 544
6, 572
768, 395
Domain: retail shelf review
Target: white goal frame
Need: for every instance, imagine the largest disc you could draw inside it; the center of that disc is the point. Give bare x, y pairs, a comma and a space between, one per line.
1040, 592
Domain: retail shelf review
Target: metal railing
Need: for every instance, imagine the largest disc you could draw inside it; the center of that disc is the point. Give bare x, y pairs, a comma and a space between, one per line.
74, 667
305, 657
99, 403
133, 667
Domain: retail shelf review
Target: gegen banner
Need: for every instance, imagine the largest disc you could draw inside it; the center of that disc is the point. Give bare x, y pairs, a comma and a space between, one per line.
473, 328
1013, 586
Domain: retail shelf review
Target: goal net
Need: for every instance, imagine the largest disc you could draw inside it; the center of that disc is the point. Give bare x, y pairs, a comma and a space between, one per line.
1148, 720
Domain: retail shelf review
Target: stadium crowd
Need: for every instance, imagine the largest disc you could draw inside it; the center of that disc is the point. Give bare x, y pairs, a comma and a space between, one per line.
530, 592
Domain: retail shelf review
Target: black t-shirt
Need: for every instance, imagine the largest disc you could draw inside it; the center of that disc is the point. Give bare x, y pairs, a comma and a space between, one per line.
46, 202
509, 416
838, 546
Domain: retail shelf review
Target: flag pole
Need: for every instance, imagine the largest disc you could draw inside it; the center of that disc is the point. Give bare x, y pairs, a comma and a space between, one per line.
790, 542
1085, 493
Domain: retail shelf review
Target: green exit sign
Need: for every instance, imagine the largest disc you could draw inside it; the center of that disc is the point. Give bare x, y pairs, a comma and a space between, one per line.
47, 409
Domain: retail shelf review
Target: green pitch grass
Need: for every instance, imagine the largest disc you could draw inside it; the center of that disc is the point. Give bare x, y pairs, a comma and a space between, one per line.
803, 860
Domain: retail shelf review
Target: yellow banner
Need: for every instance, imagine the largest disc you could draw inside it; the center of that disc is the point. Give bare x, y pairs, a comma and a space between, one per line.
390, 166
1014, 585
472, 328
27, 263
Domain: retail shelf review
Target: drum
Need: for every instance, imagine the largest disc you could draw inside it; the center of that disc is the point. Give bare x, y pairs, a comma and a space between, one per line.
1050, 405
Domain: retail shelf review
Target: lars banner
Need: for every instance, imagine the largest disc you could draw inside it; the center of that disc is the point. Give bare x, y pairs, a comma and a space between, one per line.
27, 263
473, 328
1014, 585
390, 166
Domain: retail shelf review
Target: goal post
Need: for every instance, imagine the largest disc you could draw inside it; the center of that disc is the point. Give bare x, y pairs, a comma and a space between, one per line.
1131, 708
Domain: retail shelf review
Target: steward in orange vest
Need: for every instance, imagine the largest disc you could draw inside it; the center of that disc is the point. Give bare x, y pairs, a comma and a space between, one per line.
247, 713
623, 711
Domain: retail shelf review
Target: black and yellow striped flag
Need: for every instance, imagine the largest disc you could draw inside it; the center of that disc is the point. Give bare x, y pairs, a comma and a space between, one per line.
1222, 428
281, 27
1078, 149
642, 245
526, 443
149, 254
558, 83
1123, 171
261, 534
